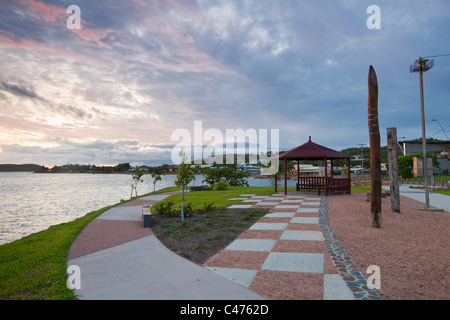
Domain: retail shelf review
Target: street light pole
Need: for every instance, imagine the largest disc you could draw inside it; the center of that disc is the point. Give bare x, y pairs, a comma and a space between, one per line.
420, 66
424, 139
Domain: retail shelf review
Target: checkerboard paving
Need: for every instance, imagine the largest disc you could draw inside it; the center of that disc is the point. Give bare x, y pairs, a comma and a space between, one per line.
283, 255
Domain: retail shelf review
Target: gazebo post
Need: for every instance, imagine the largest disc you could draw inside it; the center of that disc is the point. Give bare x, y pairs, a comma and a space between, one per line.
331, 168
285, 177
276, 187
298, 174
349, 177
326, 176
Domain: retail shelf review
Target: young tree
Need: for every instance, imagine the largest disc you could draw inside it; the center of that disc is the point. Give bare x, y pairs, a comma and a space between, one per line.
156, 175
136, 176
184, 175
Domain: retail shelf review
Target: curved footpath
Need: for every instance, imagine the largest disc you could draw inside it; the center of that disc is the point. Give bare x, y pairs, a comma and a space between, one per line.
291, 253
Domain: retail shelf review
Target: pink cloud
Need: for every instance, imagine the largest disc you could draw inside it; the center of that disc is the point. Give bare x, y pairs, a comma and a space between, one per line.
48, 12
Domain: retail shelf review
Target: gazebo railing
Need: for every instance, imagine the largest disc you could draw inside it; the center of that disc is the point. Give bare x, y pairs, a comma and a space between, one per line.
304, 182
338, 185
332, 185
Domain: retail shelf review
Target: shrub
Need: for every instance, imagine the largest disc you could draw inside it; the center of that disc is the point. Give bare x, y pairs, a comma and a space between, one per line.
208, 206
165, 208
221, 185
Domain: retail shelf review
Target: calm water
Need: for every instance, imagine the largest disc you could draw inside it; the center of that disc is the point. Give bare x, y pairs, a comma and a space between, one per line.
30, 202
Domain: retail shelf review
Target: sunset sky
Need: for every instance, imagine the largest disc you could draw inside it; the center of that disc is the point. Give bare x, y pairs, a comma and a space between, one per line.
115, 90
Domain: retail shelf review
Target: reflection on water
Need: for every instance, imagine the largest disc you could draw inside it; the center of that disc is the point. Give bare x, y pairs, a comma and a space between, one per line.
33, 202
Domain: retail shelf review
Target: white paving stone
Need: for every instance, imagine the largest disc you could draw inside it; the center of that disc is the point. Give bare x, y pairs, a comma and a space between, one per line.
267, 203
311, 203
296, 197
302, 235
241, 276
294, 262
335, 288
307, 220
265, 245
280, 215
240, 206
237, 199
286, 206
247, 195
308, 210
269, 226
292, 201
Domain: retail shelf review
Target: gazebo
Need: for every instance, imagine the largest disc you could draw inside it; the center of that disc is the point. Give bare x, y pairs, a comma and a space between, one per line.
314, 151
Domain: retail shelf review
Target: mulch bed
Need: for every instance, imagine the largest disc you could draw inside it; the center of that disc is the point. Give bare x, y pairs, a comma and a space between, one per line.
203, 235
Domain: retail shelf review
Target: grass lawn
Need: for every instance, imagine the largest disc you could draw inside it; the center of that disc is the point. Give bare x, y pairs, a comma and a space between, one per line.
218, 199
442, 191
438, 179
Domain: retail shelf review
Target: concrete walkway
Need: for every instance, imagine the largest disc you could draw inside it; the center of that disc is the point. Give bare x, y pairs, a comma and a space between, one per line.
437, 200
144, 269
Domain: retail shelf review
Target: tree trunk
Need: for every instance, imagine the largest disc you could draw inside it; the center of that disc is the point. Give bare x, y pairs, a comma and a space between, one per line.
393, 168
375, 151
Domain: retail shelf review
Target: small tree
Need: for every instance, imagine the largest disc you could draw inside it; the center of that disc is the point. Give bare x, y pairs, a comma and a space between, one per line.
136, 176
184, 175
156, 175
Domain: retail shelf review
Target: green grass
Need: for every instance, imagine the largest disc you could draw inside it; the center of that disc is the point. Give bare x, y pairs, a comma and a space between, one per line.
360, 189
442, 191
35, 267
198, 199
438, 179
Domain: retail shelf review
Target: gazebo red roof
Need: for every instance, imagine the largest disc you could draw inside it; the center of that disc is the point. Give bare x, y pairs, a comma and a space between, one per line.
313, 151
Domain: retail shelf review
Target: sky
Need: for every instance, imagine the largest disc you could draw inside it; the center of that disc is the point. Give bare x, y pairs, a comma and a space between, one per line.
137, 71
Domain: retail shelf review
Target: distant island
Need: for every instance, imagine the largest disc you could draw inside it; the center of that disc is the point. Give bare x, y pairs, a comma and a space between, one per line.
19, 167
83, 168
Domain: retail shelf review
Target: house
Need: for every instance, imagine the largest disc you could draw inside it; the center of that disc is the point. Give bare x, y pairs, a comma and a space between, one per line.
250, 169
439, 148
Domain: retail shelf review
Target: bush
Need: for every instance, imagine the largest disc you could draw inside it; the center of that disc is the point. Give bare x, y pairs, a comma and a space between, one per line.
230, 174
221, 185
165, 208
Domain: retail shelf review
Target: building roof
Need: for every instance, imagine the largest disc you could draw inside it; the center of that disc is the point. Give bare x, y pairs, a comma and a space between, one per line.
428, 141
313, 151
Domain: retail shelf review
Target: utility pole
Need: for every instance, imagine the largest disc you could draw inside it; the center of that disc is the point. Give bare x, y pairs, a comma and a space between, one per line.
421, 65
375, 151
362, 145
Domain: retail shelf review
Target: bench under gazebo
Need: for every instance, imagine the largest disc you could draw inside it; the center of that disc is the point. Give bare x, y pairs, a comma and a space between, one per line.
314, 151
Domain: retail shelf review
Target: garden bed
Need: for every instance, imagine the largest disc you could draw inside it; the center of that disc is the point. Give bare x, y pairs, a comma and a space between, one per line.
202, 235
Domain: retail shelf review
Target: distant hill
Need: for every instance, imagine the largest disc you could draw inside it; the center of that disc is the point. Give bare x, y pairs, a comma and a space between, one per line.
19, 167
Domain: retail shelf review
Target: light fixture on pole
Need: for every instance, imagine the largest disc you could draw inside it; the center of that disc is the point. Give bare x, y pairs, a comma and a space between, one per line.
441, 127
422, 65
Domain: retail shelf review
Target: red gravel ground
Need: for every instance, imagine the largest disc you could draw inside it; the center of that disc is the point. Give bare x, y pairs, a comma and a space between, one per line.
103, 234
411, 248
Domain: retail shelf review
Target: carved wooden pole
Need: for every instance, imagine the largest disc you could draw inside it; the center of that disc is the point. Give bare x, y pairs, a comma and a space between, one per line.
392, 147
375, 151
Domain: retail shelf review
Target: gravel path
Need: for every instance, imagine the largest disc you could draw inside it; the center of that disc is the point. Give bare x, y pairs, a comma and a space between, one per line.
411, 249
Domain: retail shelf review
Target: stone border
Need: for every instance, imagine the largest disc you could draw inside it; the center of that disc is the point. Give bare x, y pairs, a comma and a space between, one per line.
352, 276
